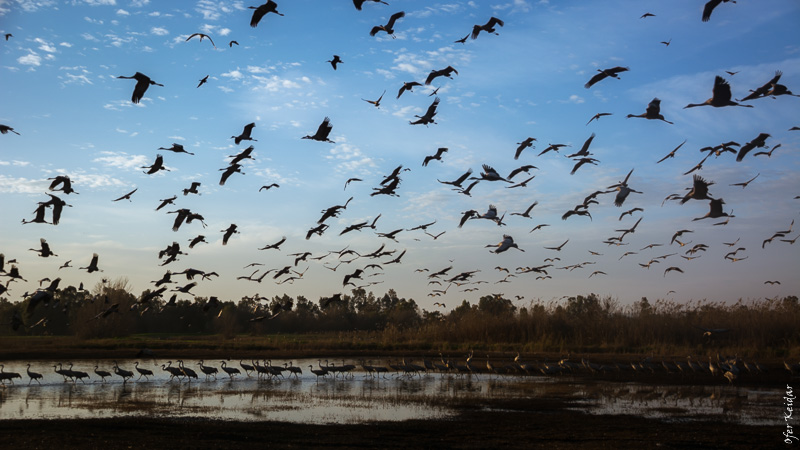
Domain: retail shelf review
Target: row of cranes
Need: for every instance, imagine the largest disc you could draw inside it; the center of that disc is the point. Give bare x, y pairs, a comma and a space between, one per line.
730, 368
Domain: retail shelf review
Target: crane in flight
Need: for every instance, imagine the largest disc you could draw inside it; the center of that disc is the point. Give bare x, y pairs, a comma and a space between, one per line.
389, 26
201, 36
261, 11
720, 96
323, 131
605, 73
142, 83
487, 27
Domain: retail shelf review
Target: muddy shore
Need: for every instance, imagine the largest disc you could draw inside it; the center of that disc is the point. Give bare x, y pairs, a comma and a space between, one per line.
492, 424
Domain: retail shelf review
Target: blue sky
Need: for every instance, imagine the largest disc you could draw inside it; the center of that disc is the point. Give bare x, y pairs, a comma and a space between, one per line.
75, 118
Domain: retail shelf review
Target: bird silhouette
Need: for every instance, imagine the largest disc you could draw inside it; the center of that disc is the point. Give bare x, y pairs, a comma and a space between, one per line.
203, 81
408, 86
605, 73
92, 267
653, 112
598, 116
267, 187
720, 96
323, 131
672, 153
245, 136
156, 166
438, 156
377, 102
260, 11
505, 244
4, 129
126, 196
709, 8
335, 61
359, 3
487, 27
176, 148
389, 26
759, 141
201, 36
528, 142
142, 83
427, 118
446, 72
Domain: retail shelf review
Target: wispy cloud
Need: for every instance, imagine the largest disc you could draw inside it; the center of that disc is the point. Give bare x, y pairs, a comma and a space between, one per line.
121, 160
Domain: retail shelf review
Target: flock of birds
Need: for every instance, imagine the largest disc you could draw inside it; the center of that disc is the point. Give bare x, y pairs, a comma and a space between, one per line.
699, 191
731, 368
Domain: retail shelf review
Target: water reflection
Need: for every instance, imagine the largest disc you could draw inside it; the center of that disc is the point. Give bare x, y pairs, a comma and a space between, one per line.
358, 398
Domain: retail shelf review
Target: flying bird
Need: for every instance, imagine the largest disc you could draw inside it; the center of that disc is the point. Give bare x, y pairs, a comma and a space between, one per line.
598, 116
126, 196
92, 267
359, 3
720, 96
709, 8
142, 83
323, 131
156, 166
528, 142
389, 27
446, 72
4, 129
230, 231
672, 153
408, 86
759, 141
336, 60
176, 148
715, 210
647, 15
377, 102
427, 118
505, 244
245, 136
203, 81
487, 27
605, 73
230, 44
745, 183
438, 156
201, 36
653, 112
261, 11
268, 187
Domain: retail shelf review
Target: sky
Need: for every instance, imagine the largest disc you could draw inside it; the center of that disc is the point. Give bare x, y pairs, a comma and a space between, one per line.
74, 117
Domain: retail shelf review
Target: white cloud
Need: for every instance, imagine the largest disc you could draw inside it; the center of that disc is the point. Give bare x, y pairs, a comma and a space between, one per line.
45, 46
158, 31
21, 185
100, 2
122, 12
235, 74
139, 3
65, 44
122, 160
577, 99
31, 59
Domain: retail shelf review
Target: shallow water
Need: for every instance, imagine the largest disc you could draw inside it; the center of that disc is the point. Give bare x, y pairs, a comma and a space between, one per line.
360, 398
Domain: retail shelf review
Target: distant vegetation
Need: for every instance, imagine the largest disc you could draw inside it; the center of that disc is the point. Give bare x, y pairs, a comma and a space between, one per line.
763, 328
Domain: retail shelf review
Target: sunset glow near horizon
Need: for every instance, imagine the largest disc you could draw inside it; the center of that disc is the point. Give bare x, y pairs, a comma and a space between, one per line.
75, 117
